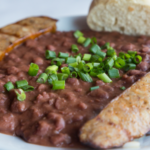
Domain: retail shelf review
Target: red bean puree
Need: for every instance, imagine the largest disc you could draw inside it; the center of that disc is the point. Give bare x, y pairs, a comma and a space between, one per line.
54, 118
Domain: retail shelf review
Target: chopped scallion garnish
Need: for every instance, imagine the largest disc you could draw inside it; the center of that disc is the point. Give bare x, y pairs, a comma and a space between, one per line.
130, 66
87, 57
51, 69
73, 75
21, 83
137, 59
42, 78
57, 61
51, 78
63, 55
70, 60
88, 67
87, 42
50, 54
74, 48
62, 76
94, 48
104, 77
21, 96
58, 85
75, 64
123, 88
77, 34
94, 88
101, 54
81, 40
119, 63
113, 73
27, 88
85, 77
65, 70
33, 69
9, 86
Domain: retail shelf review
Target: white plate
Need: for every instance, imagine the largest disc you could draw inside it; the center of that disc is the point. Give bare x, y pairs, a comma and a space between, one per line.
14, 143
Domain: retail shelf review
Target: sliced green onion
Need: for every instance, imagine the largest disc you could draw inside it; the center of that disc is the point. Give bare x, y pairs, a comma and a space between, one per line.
65, 70
88, 67
132, 53
78, 59
95, 65
94, 58
73, 74
51, 69
93, 40
129, 67
80, 65
33, 69
71, 68
123, 88
77, 34
85, 77
114, 57
42, 78
113, 73
101, 54
94, 48
57, 61
50, 54
70, 60
87, 57
94, 72
122, 55
79, 54
119, 63
63, 55
51, 78
75, 64
58, 85
104, 77
21, 83
21, 96
81, 40
9, 86
111, 52
62, 76
87, 42
129, 60
74, 48
137, 59
94, 88
109, 63
105, 46
27, 88
101, 65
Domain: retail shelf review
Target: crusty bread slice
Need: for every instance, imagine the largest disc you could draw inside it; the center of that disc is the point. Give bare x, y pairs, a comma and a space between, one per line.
131, 17
125, 118
14, 34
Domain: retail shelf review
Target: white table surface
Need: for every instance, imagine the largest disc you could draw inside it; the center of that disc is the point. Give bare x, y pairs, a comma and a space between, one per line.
14, 10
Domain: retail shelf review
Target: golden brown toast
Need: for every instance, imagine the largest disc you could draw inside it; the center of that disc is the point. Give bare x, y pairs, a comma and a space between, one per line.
14, 34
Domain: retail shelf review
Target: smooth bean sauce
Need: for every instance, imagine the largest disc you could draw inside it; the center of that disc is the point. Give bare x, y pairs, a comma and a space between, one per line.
54, 117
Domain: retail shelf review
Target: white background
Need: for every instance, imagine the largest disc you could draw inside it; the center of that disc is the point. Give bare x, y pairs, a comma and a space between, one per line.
14, 10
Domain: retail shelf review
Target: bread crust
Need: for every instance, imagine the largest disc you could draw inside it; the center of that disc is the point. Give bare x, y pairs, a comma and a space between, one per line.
127, 117
129, 17
14, 34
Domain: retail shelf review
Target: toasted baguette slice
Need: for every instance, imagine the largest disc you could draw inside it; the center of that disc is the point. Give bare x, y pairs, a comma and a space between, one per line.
125, 118
131, 17
14, 34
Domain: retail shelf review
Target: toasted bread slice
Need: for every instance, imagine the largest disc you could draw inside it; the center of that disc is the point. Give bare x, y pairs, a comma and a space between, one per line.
131, 17
125, 118
29, 28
